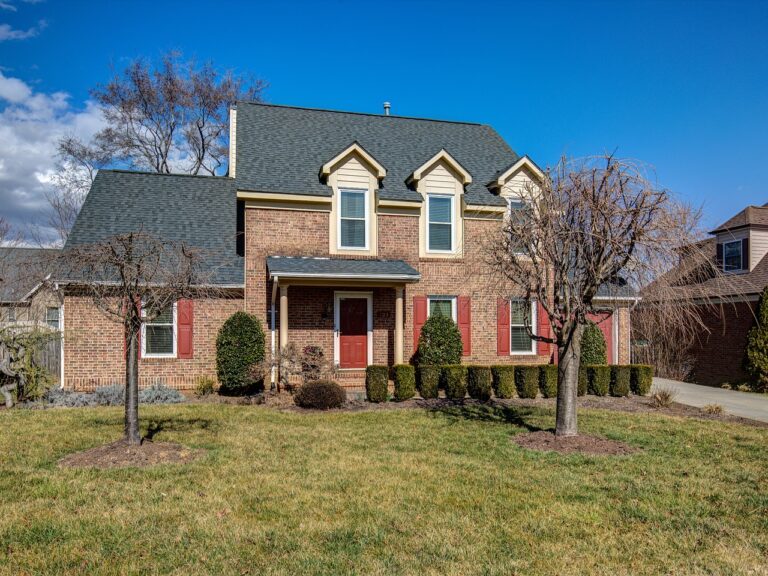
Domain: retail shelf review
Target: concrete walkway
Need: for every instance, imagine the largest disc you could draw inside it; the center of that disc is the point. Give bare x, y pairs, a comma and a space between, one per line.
744, 404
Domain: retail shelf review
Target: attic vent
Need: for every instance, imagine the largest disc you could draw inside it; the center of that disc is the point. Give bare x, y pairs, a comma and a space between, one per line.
387, 106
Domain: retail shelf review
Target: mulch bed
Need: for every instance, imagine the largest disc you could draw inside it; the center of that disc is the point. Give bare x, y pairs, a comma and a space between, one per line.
120, 454
582, 444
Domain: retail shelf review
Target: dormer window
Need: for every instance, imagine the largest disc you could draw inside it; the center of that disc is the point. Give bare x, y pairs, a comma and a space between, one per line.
732, 256
353, 219
440, 223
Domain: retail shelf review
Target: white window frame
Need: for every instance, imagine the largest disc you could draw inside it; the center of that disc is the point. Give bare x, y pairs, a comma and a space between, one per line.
175, 326
741, 256
534, 343
366, 219
58, 318
452, 223
453, 299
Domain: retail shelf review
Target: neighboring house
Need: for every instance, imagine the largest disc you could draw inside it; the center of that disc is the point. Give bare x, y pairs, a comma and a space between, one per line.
25, 297
341, 230
740, 246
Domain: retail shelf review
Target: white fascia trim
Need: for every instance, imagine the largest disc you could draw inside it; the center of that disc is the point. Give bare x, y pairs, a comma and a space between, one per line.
405, 278
616, 299
466, 177
326, 169
526, 162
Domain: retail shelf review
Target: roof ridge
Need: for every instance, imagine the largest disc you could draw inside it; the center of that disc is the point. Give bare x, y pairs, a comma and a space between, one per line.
147, 173
382, 116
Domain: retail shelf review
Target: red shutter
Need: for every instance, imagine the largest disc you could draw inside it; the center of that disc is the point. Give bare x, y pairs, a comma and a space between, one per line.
184, 326
465, 323
502, 327
419, 317
543, 329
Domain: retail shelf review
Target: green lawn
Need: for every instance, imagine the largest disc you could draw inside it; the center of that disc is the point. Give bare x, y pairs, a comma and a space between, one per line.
382, 492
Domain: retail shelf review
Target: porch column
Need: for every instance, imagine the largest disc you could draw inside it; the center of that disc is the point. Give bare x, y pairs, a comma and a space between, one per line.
283, 316
399, 325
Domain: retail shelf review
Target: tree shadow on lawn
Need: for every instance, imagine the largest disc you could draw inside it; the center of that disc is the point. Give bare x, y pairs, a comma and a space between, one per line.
497, 413
157, 425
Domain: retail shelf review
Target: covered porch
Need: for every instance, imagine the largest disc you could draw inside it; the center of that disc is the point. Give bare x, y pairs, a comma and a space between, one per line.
353, 309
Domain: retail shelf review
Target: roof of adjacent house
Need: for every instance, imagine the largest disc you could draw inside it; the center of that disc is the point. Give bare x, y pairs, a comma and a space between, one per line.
22, 270
341, 268
750, 216
616, 290
200, 211
281, 149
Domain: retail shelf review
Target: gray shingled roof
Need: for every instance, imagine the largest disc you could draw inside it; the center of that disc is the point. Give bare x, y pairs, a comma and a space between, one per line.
22, 269
339, 267
281, 149
750, 216
197, 210
616, 290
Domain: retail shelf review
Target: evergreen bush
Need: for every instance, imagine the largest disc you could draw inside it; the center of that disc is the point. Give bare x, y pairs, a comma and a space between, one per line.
598, 379
454, 378
439, 342
620, 379
428, 380
593, 345
479, 382
548, 380
503, 380
320, 395
756, 361
376, 381
404, 376
239, 346
583, 381
641, 379
527, 381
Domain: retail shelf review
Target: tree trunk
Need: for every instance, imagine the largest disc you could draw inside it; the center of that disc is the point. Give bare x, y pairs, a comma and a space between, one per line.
568, 384
132, 435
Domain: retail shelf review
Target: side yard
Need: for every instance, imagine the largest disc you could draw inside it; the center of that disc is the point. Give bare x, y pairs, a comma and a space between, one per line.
408, 491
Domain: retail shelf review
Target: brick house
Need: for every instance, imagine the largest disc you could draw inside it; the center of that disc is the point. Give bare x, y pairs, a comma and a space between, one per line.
25, 297
341, 230
740, 246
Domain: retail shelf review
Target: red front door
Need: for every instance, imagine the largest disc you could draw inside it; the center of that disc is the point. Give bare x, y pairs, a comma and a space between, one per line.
353, 333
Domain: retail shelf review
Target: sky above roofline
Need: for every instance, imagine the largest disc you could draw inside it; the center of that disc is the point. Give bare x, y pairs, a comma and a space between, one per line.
679, 85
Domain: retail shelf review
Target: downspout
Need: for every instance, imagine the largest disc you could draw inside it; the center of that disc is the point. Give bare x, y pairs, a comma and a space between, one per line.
61, 334
272, 335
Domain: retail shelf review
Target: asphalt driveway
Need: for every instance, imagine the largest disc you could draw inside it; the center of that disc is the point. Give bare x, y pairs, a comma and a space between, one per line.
744, 404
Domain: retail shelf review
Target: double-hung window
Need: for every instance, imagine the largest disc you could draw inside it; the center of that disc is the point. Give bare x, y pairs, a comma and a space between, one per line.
516, 215
353, 219
443, 305
158, 338
439, 223
52, 317
732, 257
522, 318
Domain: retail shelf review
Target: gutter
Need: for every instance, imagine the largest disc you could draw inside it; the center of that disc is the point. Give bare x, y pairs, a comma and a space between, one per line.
403, 277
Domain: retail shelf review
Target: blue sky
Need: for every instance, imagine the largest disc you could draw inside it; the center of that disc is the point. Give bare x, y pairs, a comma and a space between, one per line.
680, 85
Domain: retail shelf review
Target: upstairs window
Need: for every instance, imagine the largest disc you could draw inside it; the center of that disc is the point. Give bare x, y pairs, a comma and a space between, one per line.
732, 256
516, 214
522, 318
439, 223
158, 335
52, 317
353, 219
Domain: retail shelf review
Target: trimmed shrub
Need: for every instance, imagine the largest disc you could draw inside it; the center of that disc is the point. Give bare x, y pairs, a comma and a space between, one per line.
583, 381
527, 381
503, 381
641, 379
160, 394
439, 342
479, 382
593, 345
454, 379
548, 380
113, 395
376, 380
205, 386
620, 377
428, 380
239, 345
320, 395
598, 379
404, 376
756, 360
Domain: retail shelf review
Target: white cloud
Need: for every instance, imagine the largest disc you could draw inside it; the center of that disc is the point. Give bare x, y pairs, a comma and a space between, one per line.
6, 6
31, 123
9, 33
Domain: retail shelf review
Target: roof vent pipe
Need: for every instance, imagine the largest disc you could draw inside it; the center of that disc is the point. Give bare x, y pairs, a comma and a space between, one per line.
387, 106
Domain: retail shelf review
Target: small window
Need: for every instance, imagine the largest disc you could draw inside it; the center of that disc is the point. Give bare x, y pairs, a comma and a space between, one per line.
732, 256
159, 334
444, 305
353, 229
439, 223
516, 210
11, 314
522, 317
52, 317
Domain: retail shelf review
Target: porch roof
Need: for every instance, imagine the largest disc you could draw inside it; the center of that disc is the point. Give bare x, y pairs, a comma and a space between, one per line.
341, 269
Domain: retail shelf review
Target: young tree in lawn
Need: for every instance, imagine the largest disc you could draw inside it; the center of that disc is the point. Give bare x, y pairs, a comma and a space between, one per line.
133, 278
590, 223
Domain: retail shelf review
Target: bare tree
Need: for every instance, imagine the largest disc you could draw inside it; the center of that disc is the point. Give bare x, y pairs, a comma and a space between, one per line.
132, 278
591, 224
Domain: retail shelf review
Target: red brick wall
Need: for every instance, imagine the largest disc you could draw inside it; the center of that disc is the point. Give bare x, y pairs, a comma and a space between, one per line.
719, 355
94, 344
